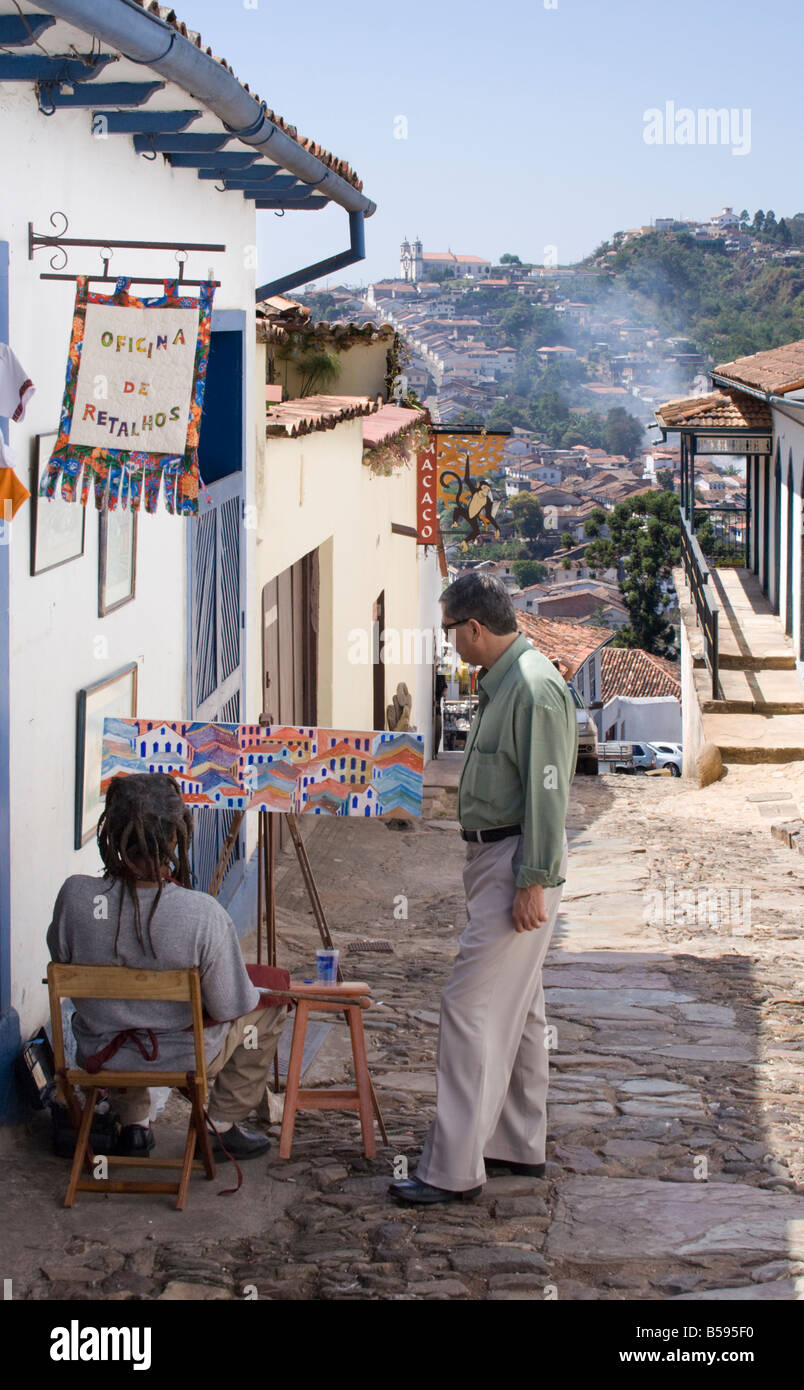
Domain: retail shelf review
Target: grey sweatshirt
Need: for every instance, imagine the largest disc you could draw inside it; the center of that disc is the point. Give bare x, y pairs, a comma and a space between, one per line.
187, 929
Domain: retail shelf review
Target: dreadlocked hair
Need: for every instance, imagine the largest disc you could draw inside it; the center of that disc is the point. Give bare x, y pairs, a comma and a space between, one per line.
143, 813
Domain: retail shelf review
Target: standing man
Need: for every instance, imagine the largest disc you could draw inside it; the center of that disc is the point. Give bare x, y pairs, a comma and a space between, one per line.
492, 1066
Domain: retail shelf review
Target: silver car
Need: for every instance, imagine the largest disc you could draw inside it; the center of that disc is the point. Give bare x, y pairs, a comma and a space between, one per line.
668, 755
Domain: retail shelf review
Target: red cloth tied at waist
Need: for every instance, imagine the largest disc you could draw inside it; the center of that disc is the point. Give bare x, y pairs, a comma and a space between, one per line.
265, 976
99, 1059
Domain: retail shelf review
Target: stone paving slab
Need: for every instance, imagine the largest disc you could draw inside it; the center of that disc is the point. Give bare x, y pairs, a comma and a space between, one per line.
780, 1289
599, 1219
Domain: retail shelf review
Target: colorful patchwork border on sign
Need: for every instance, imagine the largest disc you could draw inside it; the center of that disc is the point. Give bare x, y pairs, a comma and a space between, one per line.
136, 371
250, 767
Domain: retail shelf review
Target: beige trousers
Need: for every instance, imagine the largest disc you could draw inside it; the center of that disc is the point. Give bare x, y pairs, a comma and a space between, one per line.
239, 1073
492, 1065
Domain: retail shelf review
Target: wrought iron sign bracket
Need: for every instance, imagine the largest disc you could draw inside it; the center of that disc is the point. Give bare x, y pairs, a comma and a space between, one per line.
58, 240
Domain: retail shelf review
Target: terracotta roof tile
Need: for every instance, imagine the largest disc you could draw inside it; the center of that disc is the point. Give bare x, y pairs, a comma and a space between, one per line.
776, 370
309, 413
725, 409
568, 643
389, 422
636, 674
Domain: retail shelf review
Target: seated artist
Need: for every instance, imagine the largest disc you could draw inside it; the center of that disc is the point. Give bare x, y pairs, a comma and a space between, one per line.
142, 913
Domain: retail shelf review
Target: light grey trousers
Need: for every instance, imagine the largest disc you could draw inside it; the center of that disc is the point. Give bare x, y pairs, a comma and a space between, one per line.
492, 1065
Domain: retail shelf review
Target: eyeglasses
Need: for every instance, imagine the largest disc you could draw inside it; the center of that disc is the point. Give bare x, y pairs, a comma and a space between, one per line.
447, 627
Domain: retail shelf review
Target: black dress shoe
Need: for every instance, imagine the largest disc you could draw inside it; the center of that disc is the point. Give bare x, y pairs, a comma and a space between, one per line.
136, 1141
240, 1143
521, 1170
421, 1194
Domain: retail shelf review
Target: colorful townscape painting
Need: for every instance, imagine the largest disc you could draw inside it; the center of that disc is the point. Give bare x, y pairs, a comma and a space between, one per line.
334, 772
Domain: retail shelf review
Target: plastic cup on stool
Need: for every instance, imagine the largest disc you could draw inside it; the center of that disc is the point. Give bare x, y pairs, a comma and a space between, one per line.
326, 965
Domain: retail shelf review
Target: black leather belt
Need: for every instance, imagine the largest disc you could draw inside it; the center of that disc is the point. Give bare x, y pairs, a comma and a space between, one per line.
499, 832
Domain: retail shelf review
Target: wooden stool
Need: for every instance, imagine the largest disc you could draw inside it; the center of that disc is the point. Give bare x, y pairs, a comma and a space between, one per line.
349, 999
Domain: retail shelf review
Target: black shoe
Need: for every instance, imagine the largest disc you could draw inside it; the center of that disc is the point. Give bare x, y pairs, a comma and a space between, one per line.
521, 1170
417, 1193
136, 1141
240, 1143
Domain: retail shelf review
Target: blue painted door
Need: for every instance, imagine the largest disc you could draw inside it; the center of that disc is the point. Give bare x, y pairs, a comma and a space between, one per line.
216, 588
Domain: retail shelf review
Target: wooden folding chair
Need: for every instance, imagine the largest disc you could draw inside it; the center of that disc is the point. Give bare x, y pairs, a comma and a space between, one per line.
120, 982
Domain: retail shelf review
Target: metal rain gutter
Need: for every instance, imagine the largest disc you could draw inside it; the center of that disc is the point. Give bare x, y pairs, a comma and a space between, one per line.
145, 38
769, 397
356, 252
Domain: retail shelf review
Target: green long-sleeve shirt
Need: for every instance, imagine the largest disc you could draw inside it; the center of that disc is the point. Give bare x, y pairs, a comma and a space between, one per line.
520, 758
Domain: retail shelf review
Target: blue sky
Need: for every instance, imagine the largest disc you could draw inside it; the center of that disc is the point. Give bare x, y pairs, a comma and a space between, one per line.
525, 123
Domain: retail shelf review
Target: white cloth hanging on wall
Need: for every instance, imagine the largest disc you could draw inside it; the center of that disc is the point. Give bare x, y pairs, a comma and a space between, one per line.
16, 387
6, 454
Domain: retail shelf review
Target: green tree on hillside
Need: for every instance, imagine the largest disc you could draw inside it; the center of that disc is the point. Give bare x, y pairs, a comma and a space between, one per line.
645, 538
529, 572
623, 433
527, 514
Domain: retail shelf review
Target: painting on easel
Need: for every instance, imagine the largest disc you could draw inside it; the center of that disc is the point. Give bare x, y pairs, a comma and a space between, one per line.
245, 767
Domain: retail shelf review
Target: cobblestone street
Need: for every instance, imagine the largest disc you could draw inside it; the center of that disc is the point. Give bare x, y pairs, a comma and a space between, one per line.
675, 1159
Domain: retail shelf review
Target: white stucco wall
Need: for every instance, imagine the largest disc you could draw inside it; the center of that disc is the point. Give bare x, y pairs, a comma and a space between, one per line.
644, 720
790, 435
315, 492
692, 735
105, 189
362, 371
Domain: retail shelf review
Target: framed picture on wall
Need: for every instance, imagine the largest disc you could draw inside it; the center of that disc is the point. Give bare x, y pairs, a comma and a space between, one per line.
57, 527
117, 559
113, 696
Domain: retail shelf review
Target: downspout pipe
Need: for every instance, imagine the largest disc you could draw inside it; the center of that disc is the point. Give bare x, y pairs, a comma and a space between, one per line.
145, 38
356, 252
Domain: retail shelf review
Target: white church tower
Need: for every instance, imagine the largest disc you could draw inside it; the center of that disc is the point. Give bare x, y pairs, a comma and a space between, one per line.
411, 263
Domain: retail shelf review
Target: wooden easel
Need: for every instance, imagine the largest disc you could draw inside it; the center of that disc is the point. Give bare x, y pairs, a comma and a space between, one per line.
266, 900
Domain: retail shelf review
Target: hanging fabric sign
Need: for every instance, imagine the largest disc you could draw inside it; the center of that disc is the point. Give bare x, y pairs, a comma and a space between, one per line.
131, 412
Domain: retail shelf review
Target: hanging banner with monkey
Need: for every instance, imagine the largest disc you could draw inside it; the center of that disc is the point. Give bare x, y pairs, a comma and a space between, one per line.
460, 487
131, 412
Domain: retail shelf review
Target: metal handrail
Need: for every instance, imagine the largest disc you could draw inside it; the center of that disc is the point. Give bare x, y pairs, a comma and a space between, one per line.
706, 606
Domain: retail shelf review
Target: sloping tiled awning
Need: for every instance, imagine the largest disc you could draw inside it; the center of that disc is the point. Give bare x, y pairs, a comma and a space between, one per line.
716, 410
388, 423
777, 370
258, 155
310, 413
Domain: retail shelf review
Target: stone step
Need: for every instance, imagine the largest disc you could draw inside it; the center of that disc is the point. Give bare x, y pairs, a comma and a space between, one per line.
751, 692
772, 658
756, 738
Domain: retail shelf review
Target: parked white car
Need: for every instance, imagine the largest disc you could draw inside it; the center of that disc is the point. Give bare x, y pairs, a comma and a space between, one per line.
668, 755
